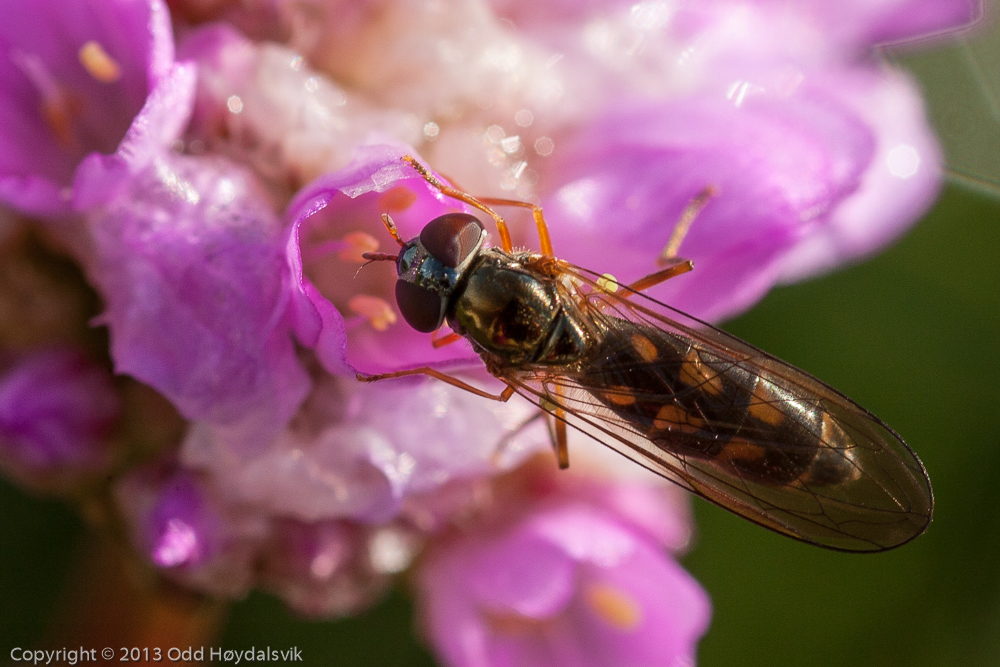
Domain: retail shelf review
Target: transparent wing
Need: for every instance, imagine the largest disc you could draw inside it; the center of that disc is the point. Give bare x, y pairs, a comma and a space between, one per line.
961, 83
733, 424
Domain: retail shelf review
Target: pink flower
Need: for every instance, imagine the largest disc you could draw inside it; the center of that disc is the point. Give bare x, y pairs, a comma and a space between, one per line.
57, 409
221, 206
181, 527
331, 216
817, 155
334, 568
72, 80
566, 581
361, 451
188, 259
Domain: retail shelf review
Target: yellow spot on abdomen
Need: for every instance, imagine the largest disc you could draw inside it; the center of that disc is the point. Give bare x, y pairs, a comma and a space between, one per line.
762, 405
644, 348
833, 436
618, 396
695, 374
98, 63
614, 606
741, 451
671, 417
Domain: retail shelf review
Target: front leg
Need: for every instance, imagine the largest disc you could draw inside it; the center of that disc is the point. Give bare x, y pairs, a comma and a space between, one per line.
503, 396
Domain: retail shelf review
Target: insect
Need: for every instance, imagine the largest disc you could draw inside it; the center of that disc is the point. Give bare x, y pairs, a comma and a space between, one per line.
700, 407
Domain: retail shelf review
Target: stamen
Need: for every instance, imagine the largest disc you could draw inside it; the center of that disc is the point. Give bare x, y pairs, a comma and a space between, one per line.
59, 119
98, 63
512, 624
613, 605
608, 283
351, 248
396, 199
378, 313
356, 244
57, 106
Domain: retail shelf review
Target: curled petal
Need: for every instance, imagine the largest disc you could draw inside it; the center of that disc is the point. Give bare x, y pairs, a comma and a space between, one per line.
161, 120
73, 78
189, 264
328, 218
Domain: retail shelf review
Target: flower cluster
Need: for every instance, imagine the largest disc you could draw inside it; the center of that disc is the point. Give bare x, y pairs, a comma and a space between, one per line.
218, 168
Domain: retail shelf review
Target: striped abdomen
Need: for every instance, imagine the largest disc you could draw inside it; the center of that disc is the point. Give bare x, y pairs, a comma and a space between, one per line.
701, 404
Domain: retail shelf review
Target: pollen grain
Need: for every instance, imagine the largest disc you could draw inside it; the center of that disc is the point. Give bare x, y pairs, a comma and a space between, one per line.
614, 606
98, 63
608, 283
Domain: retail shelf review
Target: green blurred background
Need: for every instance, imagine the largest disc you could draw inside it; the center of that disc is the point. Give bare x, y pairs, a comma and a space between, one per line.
912, 334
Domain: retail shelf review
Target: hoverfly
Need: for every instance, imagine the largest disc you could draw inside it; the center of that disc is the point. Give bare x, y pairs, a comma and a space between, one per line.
724, 420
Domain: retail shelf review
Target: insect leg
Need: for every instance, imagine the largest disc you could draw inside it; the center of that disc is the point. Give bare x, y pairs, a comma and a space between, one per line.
674, 265
562, 450
691, 211
464, 197
391, 226
680, 268
503, 396
447, 339
544, 242
558, 433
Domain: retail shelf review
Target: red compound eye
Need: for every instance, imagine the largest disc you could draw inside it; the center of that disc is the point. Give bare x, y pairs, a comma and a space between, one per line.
422, 309
452, 237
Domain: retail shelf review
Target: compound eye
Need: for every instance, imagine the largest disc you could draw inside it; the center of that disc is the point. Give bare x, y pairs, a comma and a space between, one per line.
452, 237
406, 258
422, 309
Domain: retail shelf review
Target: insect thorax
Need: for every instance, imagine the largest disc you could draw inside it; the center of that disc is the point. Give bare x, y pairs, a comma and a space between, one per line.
518, 315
